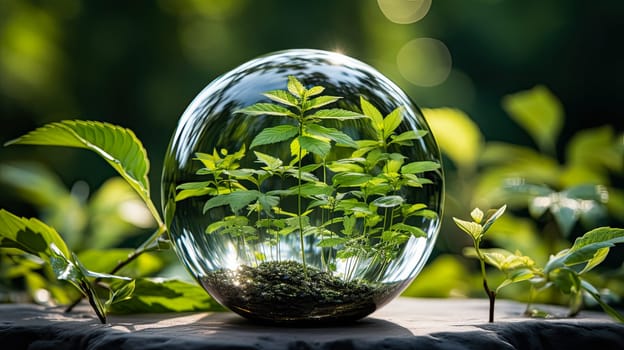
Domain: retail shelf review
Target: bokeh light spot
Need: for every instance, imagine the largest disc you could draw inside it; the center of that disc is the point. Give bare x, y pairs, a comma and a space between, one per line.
424, 62
404, 11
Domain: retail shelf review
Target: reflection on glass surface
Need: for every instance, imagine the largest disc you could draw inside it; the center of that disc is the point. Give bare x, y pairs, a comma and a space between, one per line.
229, 266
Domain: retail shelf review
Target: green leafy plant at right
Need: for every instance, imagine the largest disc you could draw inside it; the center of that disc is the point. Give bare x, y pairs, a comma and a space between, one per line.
565, 271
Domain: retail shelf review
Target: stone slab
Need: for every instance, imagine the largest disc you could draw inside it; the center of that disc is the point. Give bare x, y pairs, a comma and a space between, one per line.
406, 323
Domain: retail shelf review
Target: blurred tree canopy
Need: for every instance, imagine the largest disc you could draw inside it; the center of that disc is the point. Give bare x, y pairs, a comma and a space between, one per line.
140, 63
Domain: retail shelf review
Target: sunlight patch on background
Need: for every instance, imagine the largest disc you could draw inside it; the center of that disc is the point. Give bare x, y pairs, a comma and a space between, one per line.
404, 11
424, 62
135, 212
29, 55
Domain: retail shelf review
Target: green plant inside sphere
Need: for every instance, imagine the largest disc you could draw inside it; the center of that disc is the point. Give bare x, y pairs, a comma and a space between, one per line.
303, 186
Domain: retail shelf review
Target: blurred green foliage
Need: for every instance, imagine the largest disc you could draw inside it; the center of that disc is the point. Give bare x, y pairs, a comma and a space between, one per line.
553, 152
552, 202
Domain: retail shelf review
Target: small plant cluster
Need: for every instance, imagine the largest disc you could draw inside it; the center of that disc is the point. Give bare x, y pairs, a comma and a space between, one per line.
364, 213
564, 270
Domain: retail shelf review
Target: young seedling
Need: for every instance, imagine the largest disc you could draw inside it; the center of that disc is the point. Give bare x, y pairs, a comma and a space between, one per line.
476, 229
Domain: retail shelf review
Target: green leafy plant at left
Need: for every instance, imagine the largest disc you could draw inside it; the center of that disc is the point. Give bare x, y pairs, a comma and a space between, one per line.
21, 238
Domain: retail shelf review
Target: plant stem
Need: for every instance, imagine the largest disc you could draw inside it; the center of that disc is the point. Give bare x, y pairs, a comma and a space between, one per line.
532, 292
490, 293
302, 247
147, 245
94, 305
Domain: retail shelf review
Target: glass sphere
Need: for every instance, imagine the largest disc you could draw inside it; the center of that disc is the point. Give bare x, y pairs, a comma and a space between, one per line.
303, 186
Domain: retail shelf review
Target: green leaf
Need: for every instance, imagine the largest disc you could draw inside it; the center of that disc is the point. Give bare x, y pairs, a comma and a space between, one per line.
349, 179
388, 201
235, 222
158, 295
69, 269
296, 151
409, 209
412, 230
348, 222
303, 175
392, 121
194, 185
507, 261
122, 293
566, 280
372, 112
457, 135
477, 215
331, 242
539, 112
236, 200
408, 136
586, 248
515, 277
267, 202
473, 229
335, 113
492, 216
295, 87
118, 146
343, 165
282, 97
321, 101
426, 213
271, 162
419, 167
606, 307
31, 235
338, 136
266, 109
313, 145
598, 257
312, 189
274, 135
315, 90
184, 194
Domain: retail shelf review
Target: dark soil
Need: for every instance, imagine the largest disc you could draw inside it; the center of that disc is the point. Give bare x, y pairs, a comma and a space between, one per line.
280, 292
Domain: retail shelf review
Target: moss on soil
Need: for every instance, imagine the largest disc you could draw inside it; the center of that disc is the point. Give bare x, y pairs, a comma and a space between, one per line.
280, 292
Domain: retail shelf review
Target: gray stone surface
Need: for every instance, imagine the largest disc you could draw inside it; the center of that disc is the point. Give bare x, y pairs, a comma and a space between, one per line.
403, 324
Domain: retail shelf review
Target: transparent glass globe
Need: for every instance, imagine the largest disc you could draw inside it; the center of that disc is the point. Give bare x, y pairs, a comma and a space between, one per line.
303, 186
